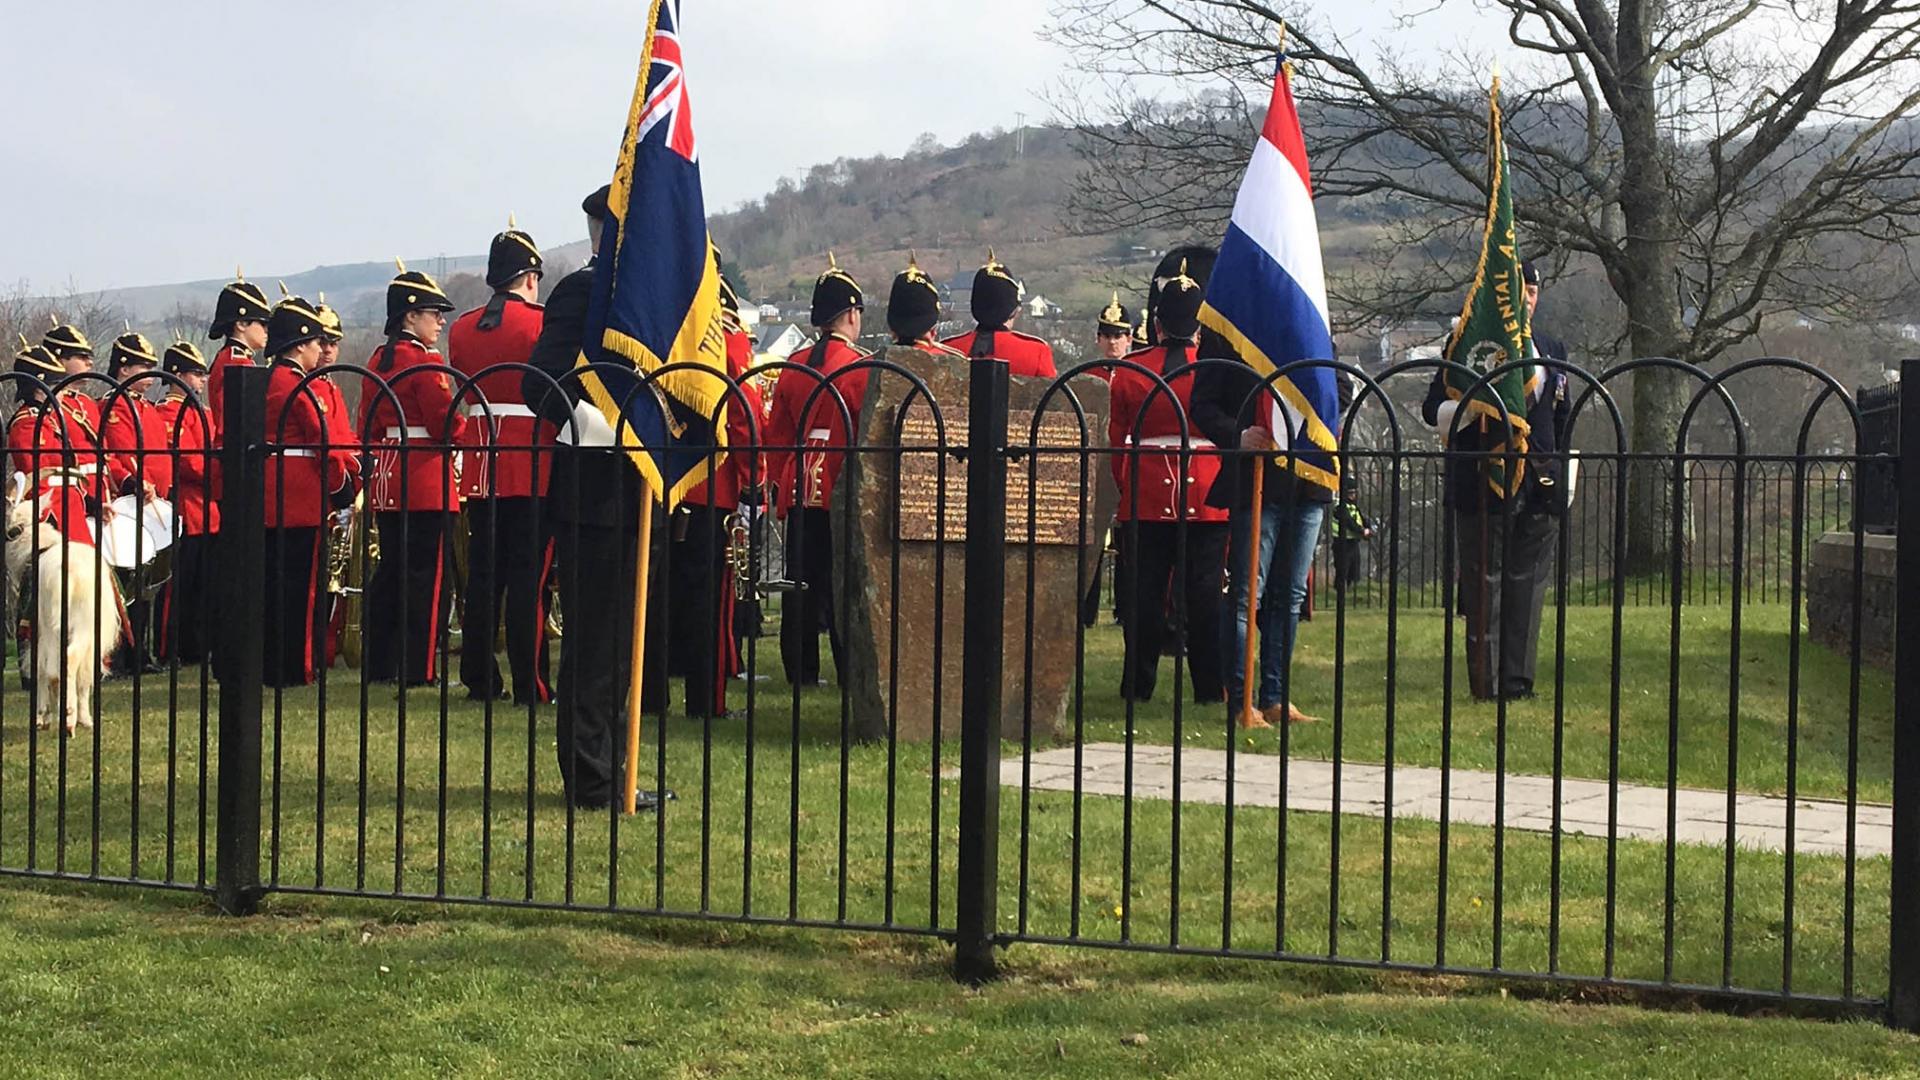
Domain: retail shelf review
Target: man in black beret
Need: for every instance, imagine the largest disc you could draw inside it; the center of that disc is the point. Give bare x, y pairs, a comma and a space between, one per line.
594, 505
1505, 544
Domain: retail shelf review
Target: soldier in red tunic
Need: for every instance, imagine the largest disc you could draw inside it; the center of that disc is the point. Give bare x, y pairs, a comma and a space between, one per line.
1163, 505
913, 310
996, 300
183, 424
303, 484
411, 491
504, 479
240, 322
60, 446
139, 462
1113, 340
806, 453
699, 581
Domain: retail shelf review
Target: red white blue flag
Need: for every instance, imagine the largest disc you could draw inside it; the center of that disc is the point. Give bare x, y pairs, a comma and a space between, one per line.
1268, 292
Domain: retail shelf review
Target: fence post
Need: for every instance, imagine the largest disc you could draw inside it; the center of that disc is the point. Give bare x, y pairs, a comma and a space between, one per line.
1903, 996
239, 647
982, 654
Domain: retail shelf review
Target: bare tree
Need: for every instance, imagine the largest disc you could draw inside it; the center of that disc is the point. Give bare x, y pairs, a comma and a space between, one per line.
1721, 161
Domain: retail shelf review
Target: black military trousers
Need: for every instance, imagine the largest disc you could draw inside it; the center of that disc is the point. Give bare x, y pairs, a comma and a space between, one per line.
407, 599
698, 583
595, 566
1503, 577
297, 615
802, 613
182, 631
134, 651
1145, 579
509, 557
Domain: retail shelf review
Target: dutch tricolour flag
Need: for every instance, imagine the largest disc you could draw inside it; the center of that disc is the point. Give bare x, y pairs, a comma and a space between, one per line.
1268, 292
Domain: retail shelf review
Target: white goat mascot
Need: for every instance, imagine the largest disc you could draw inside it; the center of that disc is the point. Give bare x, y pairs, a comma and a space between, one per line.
76, 618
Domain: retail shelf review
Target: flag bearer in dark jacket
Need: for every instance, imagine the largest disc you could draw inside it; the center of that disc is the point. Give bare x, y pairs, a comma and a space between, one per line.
411, 490
1175, 541
593, 499
1504, 543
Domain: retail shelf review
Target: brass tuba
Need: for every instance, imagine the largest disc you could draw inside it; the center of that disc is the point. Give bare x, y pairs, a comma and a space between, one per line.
352, 546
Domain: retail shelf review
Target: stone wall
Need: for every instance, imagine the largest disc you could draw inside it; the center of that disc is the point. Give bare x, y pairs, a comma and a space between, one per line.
1830, 596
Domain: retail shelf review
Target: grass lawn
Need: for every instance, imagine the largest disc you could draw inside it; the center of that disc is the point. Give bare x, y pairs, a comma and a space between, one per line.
110, 983
778, 820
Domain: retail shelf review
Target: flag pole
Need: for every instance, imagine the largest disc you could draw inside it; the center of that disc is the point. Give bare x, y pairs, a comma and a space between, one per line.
638, 654
1250, 719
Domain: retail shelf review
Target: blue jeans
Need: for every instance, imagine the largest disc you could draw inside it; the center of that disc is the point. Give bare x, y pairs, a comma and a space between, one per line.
1288, 534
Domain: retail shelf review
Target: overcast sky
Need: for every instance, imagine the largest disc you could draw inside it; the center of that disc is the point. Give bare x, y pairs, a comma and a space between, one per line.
149, 142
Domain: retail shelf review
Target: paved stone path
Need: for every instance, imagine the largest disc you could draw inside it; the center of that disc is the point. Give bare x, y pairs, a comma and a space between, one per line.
1760, 821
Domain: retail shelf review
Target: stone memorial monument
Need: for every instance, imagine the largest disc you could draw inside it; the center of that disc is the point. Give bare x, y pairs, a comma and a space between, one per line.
905, 563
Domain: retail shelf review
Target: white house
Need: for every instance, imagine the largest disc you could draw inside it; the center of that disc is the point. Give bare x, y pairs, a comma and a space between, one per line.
1039, 307
780, 340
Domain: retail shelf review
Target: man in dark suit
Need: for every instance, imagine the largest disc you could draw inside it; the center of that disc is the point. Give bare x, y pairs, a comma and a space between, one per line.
1504, 543
594, 503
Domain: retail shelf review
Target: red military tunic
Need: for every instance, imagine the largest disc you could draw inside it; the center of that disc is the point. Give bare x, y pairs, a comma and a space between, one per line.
180, 424
308, 473
1025, 354
60, 450
133, 425
822, 428
230, 354
504, 473
1150, 418
426, 419
739, 469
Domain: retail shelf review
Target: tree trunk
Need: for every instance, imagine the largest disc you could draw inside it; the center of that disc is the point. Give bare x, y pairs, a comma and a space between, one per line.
1647, 285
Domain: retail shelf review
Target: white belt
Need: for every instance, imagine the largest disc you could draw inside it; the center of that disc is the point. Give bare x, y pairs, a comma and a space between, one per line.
819, 433
62, 480
412, 433
482, 412
300, 453
1174, 440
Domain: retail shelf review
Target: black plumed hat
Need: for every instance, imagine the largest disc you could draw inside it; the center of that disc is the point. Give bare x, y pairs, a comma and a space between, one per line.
913, 304
1180, 298
412, 290
834, 294
130, 348
513, 253
1198, 260
996, 295
181, 358
37, 360
240, 300
294, 321
66, 338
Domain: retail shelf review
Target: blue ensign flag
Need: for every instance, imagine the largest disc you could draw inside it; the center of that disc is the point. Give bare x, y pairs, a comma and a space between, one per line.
656, 287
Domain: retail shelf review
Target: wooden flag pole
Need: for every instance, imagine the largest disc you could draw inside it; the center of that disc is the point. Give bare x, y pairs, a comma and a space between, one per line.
638, 654
1249, 717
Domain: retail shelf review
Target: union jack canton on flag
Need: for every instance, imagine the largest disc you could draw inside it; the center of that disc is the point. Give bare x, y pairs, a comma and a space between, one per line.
656, 298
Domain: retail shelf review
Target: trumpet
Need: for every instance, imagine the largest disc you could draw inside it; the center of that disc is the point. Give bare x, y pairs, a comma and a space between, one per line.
740, 555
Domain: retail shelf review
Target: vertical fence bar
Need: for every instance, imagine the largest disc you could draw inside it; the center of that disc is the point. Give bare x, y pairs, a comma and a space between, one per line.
1903, 981
982, 650
242, 545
